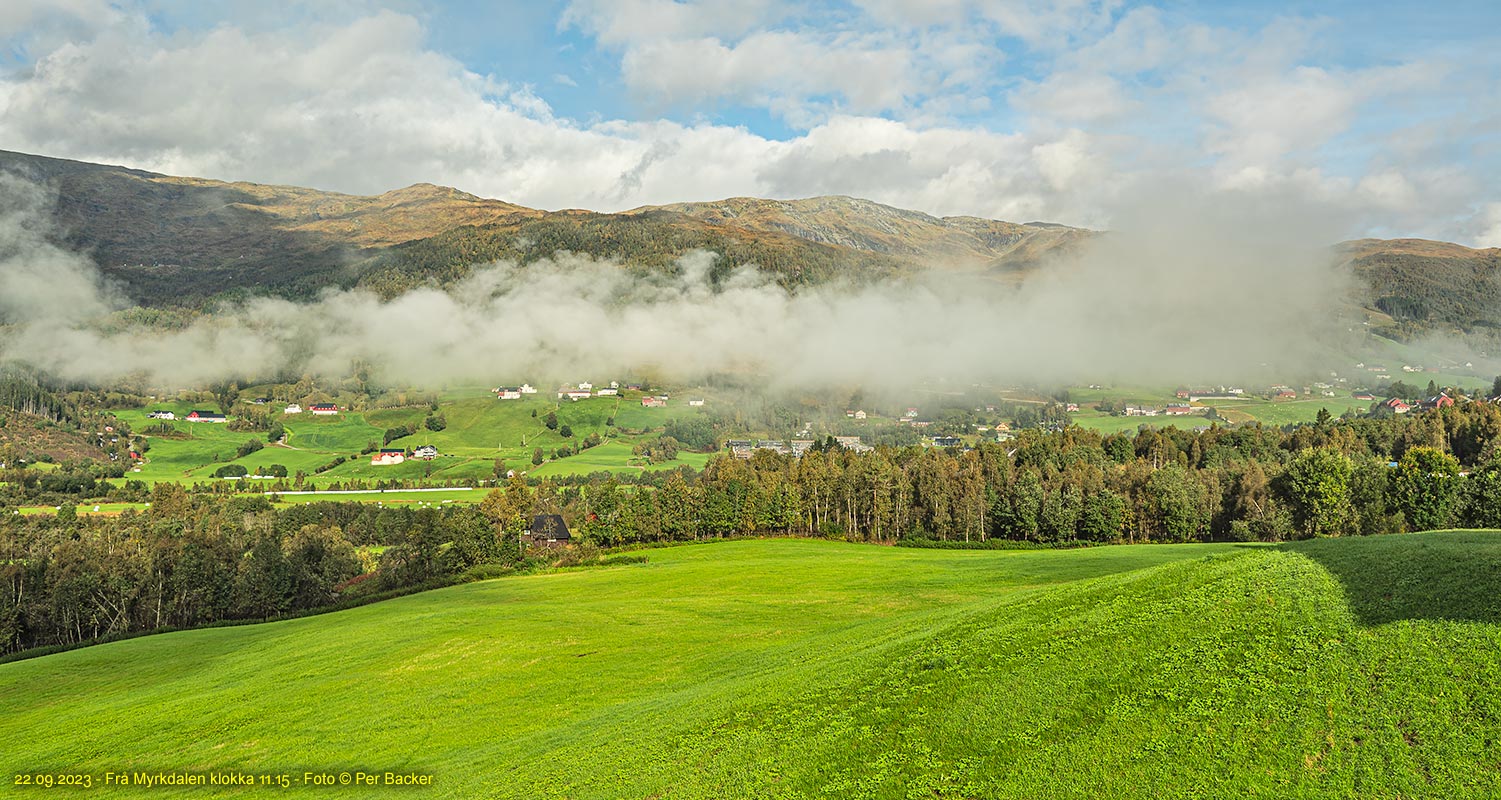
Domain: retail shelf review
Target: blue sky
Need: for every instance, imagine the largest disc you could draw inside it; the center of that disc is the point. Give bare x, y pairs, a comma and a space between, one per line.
1378, 116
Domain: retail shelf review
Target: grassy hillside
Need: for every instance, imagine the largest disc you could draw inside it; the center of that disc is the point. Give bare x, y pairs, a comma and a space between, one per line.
1337, 668
479, 430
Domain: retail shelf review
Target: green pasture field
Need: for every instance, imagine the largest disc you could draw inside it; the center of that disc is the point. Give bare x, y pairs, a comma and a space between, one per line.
612, 456
634, 416
1106, 423
393, 497
342, 433
1287, 412
1361, 667
479, 429
1247, 409
194, 445
84, 509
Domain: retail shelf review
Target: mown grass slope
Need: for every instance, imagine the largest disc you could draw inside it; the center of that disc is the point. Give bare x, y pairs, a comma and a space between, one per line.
1346, 668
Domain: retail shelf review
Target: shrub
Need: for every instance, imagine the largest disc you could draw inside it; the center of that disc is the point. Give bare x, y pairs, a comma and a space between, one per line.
250, 446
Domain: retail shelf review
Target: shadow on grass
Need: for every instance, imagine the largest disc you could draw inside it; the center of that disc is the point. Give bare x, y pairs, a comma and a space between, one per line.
1447, 575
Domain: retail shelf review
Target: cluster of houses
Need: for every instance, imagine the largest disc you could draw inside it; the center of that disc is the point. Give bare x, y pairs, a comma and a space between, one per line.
745, 448
586, 390
316, 409
580, 391
1218, 393
1408, 367
1170, 410
389, 456
513, 392
1400, 406
192, 416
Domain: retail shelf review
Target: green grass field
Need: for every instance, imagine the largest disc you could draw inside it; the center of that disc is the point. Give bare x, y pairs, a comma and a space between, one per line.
1287, 412
393, 497
84, 508
1106, 423
1247, 409
614, 456
1334, 668
479, 430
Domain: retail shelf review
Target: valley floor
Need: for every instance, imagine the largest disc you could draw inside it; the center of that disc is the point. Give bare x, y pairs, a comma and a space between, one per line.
1332, 668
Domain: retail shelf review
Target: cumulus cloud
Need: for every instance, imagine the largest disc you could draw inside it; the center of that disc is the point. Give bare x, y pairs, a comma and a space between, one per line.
620, 22
778, 69
1490, 226
1015, 110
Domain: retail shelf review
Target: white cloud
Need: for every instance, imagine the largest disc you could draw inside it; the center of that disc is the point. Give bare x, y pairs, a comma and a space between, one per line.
1263, 121
773, 68
1074, 97
1050, 24
619, 22
366, 106
45, 21
1490, 226
1389, 189
802, 64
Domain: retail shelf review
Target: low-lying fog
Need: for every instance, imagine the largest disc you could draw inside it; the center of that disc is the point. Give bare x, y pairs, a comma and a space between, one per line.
1197, 287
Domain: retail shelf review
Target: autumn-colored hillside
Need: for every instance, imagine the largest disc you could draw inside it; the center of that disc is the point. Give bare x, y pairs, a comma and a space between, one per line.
187, 241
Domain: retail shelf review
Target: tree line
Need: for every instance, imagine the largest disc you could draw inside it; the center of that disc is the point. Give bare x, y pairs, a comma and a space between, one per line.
1334, 477
195, 559
200, 557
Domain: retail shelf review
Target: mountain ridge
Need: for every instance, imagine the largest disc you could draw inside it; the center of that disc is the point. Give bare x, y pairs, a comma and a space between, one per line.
172, 240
